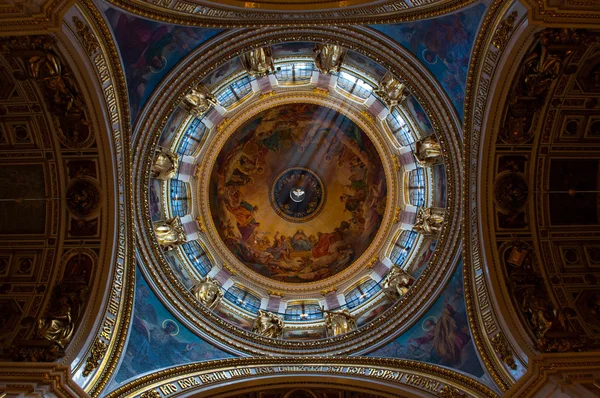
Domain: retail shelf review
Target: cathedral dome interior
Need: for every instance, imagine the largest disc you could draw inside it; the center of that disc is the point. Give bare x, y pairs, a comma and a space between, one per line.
290, 199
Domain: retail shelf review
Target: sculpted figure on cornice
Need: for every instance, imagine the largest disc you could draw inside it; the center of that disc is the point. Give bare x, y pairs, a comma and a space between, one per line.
391, 91
429, 221
544, 64
339, 322
396, 283
165, 164
428, 150
258, 62
208, 292
169, 233
268, 324
199, 100
329, 57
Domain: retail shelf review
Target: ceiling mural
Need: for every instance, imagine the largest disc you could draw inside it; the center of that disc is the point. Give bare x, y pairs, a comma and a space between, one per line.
294, 212
443, 45
298, 192
442, 335
158, 339
149, 50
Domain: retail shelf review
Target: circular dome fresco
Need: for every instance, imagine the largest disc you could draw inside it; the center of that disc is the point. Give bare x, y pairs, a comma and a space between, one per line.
298, 192
291, 190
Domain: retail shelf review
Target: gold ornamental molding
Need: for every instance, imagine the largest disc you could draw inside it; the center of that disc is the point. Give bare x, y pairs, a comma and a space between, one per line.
188, 74
390, 375
213, 148
38, 379
564, 371
235, 13
18, 18
564, 13
98, 360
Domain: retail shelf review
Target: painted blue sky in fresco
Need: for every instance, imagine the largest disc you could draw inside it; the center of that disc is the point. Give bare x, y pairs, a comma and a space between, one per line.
443, 45
149, 50
441, 336
157, 340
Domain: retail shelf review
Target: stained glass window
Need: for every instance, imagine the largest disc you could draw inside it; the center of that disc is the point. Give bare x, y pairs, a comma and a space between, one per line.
400, 128
197, 256
243, 299
294, 73
361, 293
179, 198
234, 92
402, 247
354, 85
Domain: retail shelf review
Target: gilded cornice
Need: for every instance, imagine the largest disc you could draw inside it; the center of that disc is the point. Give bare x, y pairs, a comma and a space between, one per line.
563, 13
190, 72
30, 17
203, 13
187, 379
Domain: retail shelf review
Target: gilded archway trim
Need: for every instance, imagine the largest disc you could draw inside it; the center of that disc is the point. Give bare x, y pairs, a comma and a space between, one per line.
430, 380
95, 364
203, 13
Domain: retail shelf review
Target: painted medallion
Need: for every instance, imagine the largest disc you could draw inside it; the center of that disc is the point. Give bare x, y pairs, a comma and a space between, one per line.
298, 193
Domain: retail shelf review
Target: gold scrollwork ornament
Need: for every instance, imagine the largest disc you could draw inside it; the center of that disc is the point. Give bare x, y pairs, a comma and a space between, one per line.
98, 350
500, 345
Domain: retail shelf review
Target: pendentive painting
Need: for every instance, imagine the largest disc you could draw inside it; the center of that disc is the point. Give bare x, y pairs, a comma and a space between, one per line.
298, 192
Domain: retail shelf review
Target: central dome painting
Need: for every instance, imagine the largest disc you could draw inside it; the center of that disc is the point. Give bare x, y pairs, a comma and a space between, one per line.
298, 192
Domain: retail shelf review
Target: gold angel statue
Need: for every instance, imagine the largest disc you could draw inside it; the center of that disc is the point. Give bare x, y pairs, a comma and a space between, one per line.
396, 283
169, 233
391, 91
165, 164
268, 324
338, 322
208, 292
258, 62
429, 221
329, 57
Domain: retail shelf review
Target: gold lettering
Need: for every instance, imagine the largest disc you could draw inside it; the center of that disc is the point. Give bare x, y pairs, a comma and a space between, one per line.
168, 389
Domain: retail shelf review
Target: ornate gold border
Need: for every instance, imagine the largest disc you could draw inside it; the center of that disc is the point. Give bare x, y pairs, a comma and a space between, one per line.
484, 61
206, 14
430, 379
113, 323
189, 73
213, 148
